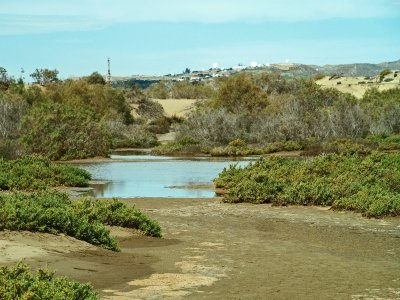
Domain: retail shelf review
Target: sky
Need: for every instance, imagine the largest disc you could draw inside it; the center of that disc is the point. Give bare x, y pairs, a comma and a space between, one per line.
156, 37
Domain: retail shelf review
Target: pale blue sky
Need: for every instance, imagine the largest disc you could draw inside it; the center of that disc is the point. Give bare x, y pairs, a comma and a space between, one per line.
165, 36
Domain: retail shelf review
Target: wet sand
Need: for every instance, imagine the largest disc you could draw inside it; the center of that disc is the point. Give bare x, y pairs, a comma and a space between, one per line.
213, 250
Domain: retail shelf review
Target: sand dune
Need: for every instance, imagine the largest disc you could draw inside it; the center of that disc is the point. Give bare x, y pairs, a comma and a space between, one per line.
177, 107
358, 85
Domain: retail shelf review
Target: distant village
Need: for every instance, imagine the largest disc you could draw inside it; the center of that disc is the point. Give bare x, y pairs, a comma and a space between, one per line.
285, 69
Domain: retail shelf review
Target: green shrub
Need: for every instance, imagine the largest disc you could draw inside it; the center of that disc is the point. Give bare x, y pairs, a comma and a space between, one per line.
384, 73
236, 147
48, 211
115, 213
61, 132
367, 184
185, 144
35, 173
384, 142
282, 146
53, 212
341, 146
20, 283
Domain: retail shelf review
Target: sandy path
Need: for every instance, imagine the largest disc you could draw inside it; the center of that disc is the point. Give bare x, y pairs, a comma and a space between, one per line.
177, 107
213, 250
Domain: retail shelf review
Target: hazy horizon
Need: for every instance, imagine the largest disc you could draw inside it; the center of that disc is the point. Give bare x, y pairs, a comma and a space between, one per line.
161, 37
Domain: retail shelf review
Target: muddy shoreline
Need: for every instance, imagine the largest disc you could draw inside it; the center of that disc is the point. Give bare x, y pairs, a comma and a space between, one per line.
214, 250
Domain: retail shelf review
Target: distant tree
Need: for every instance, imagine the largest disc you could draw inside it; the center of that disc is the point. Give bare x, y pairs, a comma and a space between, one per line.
187, 71
158, 90
239, 94
5, 80
95, 78
383, 73
45, 76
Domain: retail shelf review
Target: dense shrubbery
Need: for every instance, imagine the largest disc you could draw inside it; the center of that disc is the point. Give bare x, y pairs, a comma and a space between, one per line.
264, 109
61, 132
382, 142
367, 184
116, 213
66, 120
50, 211
34, 173
180, 90
182, 145
20, 283
53, 212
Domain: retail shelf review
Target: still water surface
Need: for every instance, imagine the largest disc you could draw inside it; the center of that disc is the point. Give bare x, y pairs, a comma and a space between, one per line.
156, 176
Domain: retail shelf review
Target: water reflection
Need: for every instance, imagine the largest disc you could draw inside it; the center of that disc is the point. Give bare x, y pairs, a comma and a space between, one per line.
155, 176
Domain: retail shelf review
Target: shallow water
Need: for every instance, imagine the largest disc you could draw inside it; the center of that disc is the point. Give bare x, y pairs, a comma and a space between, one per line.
156, 176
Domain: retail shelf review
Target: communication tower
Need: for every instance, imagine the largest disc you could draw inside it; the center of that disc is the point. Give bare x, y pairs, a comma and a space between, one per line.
109, 71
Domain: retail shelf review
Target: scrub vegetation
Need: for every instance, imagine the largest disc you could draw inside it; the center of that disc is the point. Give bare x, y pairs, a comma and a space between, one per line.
68, 119
36, 173
366, 184
19, 282
84, 219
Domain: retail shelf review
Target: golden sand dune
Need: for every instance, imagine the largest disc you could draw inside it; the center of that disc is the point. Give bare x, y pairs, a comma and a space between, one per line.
177, 107
358, 85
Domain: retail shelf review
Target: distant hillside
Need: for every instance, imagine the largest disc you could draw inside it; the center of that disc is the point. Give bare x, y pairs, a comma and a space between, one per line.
350, 70
287, 69
359, 69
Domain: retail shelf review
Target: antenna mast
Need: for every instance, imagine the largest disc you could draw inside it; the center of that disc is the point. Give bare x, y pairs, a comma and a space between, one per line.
109, 71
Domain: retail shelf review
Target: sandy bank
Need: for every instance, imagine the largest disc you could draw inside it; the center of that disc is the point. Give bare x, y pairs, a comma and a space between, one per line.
213, 250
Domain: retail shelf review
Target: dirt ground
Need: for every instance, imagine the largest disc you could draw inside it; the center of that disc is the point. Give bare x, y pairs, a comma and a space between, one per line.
213, 250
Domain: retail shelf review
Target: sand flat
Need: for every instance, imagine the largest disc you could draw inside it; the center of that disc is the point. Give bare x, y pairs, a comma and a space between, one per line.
213, 250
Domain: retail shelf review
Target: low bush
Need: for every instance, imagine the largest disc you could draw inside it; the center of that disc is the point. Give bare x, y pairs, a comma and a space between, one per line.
19, 282
53, 212
282, 146
61, 131
35, 173
236, 147
341, 146
115, 213
183, 145
366, 184
385, 142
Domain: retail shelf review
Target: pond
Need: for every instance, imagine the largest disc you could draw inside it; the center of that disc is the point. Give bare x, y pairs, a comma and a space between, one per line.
128, 176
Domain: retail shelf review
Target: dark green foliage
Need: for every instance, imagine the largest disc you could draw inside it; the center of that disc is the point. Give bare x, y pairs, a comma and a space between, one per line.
116, 213
34, 173
20, 283
144, 140
53, 212
383, 142
282, 146
95, 78
366, 184
60, 132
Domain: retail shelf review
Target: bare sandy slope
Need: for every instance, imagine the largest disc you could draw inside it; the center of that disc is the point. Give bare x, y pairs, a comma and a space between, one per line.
176, 107
213, 250
358, 85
